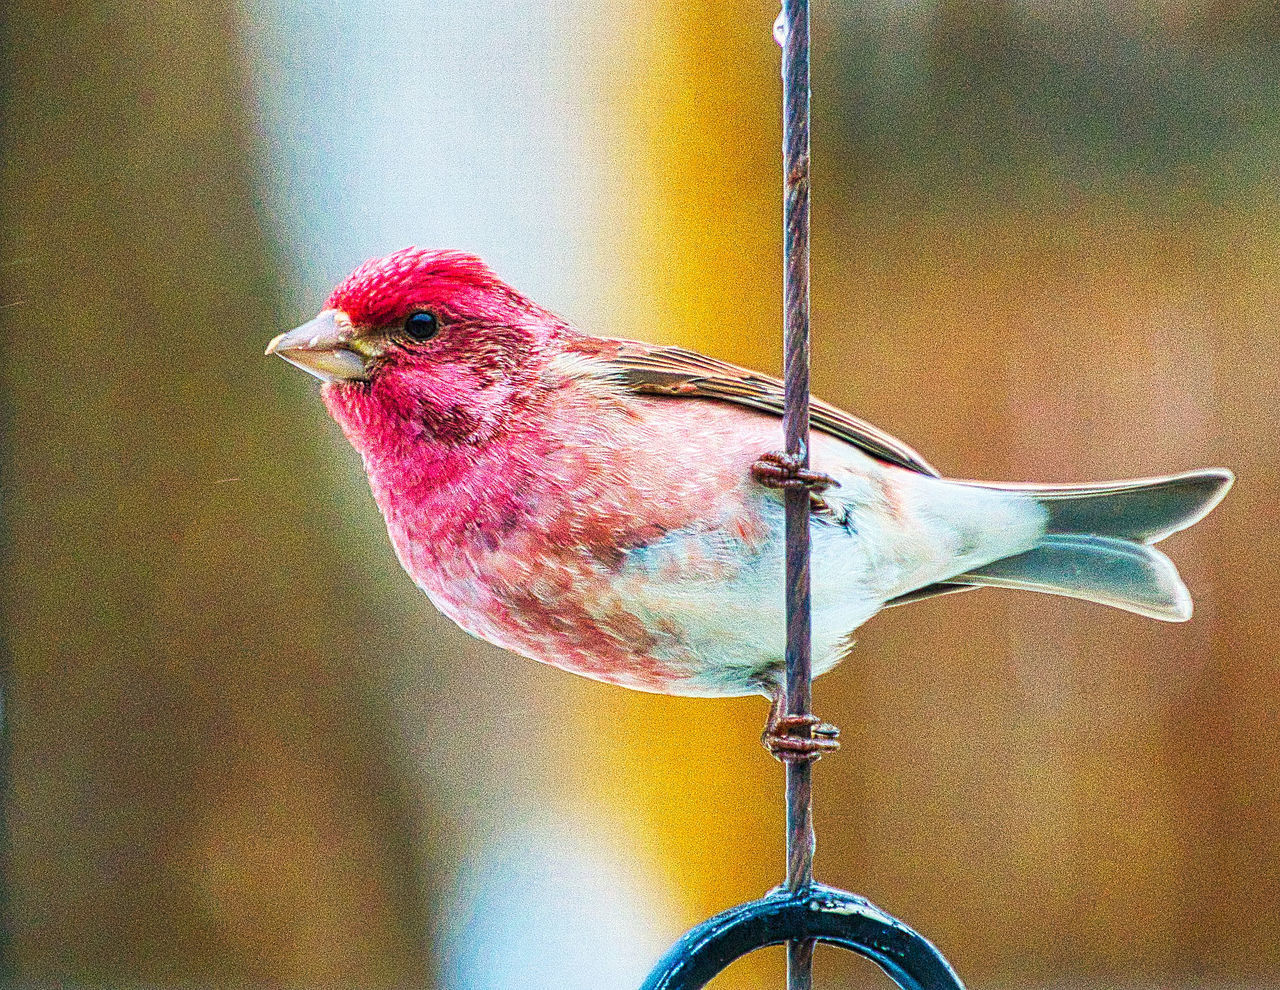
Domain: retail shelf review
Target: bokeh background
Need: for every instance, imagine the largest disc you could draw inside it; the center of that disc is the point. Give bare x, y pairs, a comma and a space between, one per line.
242, 750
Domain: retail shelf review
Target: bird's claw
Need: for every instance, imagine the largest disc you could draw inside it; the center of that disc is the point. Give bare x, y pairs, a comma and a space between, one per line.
782, 738
781, 470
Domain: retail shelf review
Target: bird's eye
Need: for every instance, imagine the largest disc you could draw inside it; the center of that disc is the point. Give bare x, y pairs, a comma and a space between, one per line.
421, 326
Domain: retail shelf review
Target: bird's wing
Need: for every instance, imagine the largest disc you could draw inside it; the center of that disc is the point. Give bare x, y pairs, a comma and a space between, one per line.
648, 369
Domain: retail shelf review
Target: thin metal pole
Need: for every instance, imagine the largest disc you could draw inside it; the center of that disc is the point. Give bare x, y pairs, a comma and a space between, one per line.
793, 31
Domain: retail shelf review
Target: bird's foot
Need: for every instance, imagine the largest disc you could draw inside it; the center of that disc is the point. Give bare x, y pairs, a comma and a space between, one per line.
781, 470
786, 738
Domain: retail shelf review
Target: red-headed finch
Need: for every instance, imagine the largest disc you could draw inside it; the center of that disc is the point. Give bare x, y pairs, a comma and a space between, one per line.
601, 505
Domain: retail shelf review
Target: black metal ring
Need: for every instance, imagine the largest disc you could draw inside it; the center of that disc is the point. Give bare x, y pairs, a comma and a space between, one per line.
817, 912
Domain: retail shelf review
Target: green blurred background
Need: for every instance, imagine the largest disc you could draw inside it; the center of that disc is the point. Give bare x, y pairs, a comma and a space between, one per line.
244, 751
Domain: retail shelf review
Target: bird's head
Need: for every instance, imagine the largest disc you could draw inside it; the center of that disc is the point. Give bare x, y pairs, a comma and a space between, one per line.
422, 345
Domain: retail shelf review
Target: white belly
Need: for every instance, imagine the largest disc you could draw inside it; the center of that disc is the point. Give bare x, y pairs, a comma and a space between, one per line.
724, 600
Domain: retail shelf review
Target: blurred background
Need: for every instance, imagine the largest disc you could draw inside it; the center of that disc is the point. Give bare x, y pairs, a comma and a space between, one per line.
242, 750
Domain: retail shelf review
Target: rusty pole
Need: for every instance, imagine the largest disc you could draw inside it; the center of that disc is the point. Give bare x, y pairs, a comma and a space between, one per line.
792, 33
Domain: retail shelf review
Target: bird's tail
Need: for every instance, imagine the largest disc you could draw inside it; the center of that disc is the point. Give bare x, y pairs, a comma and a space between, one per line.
1098, 542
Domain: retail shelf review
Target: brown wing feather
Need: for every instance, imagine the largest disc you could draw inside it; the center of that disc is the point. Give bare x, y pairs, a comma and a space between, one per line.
651, 370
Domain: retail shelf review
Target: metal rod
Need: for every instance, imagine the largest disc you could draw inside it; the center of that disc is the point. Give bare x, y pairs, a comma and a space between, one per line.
794, 39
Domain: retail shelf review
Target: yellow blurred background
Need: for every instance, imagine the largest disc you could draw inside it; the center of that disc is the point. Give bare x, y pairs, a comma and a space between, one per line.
242, 750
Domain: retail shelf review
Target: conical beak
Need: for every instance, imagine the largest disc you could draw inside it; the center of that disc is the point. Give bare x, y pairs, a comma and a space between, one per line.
323, 348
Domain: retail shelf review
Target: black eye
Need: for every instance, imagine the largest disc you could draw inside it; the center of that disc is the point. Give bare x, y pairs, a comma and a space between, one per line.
421, 326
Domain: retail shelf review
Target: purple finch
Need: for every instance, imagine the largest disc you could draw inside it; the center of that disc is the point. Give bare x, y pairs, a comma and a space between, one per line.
601, 505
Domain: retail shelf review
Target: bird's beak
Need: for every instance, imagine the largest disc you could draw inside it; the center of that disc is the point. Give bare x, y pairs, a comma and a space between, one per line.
323, 347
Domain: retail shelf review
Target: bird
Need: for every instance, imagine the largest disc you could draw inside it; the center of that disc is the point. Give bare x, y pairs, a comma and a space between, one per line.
615, 508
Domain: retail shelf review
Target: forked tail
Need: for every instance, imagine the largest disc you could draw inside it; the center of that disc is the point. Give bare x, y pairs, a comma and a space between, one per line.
1098, 543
